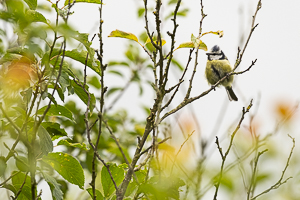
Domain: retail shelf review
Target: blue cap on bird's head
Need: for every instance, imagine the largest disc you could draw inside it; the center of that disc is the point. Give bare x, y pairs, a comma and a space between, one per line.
215, 48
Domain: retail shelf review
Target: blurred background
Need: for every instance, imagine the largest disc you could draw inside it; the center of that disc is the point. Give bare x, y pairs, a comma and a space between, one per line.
273, 82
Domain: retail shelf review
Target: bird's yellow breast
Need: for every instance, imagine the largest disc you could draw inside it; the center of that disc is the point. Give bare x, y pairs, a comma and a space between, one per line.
217, 69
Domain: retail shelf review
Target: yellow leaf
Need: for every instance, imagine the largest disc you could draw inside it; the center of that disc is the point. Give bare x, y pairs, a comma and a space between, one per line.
149, 41
219, 33
122, 34
192, 45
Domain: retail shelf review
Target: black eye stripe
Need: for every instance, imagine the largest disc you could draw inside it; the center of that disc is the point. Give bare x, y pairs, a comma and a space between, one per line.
214, 54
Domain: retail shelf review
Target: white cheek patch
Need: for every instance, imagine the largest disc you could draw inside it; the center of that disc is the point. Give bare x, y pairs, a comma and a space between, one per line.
215, 57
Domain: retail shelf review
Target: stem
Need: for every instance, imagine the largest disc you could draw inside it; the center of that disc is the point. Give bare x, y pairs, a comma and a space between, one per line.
224, 156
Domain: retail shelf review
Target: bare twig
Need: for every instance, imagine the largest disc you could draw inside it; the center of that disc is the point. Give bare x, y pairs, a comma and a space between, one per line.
189, 135
146, 150
253, 26
224, 155
280, 181
196, 53
230, 166
179, 83
252, 183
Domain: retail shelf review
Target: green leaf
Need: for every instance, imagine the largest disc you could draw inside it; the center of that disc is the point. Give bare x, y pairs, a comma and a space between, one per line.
18, 180
122, 34
133, 185
159, 187
81, 57
22, 163
31, 3
113, 90
51, 98
67, 31
98, 194
64, 79
198, 43
84, 96
227, 182
141, 11
115, 72
57, 111
3, 166
84, 39
150, 45
77, 145
35, 16
107, 184
113, 63
54, 130
8, 57
172, 2
27, 94
94, 81
67, 166
45, 140
262, 177
56, 191
59, 89
181, 13
177, 64
82, 1
21, 111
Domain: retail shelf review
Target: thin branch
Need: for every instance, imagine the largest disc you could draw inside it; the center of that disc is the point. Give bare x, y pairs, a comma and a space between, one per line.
188, 137
100, 117
252, 183
146, 150
172, 35
279, 182
20, 189
196, 53
107, 167
224, 156
117, 142
147, 27
190, 100
8, 118
229, 167
9, 178
179, 83
253, 26
55, 86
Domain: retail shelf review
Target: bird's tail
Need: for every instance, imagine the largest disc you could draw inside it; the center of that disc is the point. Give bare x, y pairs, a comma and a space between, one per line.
231, 94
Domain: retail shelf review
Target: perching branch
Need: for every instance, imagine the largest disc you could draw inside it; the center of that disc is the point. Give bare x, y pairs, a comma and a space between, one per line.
191, 99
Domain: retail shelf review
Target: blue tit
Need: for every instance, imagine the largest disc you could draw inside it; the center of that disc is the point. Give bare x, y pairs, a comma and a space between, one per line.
217, 67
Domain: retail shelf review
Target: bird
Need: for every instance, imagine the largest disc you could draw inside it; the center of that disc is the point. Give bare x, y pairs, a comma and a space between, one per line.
217, 67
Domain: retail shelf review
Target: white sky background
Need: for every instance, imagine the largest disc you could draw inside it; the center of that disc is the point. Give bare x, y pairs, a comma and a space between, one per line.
275, 44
